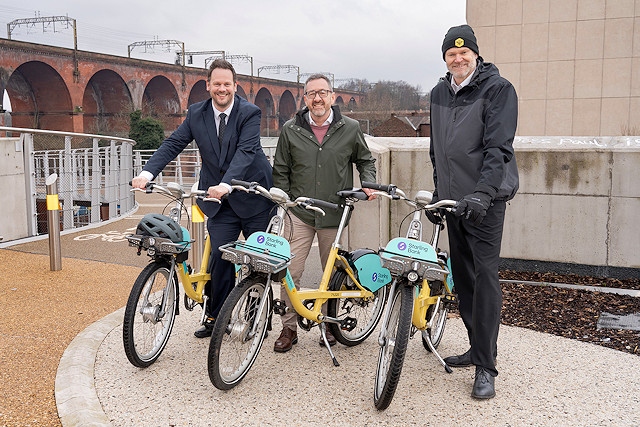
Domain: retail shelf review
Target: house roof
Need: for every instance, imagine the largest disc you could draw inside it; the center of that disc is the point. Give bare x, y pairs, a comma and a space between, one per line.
414, 121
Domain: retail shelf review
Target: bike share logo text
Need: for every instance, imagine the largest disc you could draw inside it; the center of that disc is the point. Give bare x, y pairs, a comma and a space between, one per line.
380, 277
412, 248
270, 241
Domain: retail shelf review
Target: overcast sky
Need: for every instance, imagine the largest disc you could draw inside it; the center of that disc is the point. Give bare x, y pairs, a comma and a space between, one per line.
366, 39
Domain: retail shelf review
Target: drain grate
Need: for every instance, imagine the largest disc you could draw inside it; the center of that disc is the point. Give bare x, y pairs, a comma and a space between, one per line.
613, 321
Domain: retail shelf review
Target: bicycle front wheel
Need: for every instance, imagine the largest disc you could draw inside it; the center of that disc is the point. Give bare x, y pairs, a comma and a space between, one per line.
150, 314
437, 313
365, 311
392, 353
239, 332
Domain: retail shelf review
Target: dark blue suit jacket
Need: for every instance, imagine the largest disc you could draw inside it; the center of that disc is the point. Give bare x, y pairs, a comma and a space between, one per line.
241, 156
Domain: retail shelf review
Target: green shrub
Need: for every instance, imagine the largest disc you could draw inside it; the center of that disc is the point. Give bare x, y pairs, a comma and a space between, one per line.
147, 132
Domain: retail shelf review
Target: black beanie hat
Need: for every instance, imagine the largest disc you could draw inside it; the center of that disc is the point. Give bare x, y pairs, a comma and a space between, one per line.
460, 36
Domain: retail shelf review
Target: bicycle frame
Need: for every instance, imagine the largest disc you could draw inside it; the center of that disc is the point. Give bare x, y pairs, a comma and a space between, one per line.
193, 282
269, 252
419, 262
322, 294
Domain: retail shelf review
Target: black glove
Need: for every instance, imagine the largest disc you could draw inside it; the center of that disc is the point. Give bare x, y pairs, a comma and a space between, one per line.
473, 207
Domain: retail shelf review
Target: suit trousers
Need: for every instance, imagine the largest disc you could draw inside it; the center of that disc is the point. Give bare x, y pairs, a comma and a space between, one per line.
475, 259
225, 227
302, 236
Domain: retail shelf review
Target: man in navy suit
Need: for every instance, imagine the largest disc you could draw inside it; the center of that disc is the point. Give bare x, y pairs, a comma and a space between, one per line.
237, 154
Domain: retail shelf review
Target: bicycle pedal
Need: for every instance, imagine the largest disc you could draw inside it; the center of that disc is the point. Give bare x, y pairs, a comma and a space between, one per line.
189, 304
451, 299
348, 323
279, 307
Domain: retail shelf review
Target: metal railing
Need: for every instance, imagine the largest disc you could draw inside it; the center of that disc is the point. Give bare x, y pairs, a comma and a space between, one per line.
93, 171
185, 169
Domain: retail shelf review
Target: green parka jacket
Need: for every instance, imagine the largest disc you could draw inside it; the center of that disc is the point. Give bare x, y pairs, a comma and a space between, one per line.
303, 166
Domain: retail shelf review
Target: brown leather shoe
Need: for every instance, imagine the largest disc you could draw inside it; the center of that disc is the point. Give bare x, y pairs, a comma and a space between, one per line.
330, 338
285, 341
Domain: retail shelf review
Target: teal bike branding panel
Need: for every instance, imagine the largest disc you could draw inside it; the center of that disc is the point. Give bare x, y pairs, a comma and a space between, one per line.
371, 274
412, 249
266, 242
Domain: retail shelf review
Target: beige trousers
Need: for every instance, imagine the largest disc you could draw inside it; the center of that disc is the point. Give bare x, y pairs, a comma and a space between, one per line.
302, 236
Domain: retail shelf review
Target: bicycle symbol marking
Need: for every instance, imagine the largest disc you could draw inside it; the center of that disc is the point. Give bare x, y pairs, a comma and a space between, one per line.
109, 236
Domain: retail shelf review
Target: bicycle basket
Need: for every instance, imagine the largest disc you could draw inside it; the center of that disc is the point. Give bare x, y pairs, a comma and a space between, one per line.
157, 225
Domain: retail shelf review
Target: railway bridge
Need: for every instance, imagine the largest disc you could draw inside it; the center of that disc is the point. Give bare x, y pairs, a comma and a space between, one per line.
69, 90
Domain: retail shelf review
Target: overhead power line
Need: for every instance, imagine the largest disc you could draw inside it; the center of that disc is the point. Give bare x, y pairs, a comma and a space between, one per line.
44, 20
278, 68
51, 20
152, 43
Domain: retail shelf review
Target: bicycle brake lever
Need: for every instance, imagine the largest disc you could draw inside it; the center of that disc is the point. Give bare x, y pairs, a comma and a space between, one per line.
315, 208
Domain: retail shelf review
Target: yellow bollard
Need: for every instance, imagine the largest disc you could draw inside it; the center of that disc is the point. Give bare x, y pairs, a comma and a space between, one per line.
53, 219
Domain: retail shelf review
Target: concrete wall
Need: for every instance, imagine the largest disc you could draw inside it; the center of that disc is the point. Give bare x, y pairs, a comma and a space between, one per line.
13, 197
578, 203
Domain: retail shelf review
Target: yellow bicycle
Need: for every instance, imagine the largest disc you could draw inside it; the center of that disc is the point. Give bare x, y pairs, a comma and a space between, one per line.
353, 286
153, 302
421, 291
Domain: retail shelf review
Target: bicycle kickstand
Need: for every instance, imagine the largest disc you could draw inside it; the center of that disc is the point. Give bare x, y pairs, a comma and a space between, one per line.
323, 332
435, 353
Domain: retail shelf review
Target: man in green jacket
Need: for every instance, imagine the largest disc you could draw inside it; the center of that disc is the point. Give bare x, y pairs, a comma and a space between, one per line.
316, 152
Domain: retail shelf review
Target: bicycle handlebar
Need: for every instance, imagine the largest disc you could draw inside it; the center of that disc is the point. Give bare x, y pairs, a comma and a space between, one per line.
280, 197
376, 186
392, 192
245, 184
323, 204
250, 187
198, 194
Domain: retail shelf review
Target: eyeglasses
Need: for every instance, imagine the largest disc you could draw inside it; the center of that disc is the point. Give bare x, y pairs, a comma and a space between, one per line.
312, 93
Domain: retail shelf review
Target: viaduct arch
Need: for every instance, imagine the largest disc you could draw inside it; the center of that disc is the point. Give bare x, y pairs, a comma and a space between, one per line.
78, 91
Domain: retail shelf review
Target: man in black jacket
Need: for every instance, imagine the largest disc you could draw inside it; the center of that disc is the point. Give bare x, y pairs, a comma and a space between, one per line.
474, 113
226, 129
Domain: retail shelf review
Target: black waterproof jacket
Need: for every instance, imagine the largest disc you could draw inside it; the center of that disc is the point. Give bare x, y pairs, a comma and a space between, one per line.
472, 134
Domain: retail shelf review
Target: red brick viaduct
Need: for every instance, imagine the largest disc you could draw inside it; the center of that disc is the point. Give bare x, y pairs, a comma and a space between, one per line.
77, 91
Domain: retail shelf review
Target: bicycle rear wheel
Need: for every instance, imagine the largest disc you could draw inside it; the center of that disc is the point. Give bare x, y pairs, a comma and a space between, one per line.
148, 317
392, 353
366, 312
439, 312
233, 348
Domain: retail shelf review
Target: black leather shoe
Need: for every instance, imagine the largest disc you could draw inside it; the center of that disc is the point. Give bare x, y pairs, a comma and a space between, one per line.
205, 330
459, 361
484, 384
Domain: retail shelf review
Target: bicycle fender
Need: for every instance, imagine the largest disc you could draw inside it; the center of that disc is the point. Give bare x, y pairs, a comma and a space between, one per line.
186, 238
412, 248
371, 274
449, 281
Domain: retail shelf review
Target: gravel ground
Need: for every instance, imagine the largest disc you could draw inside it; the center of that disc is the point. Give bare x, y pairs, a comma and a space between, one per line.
41, 311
